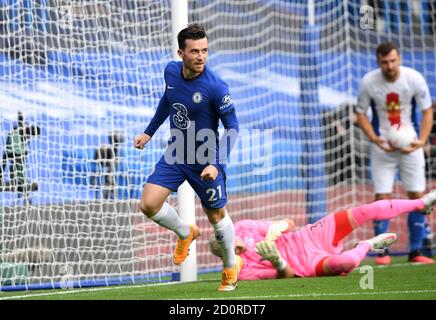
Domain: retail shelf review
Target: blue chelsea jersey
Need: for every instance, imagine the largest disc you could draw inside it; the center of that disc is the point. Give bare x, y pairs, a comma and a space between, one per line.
201, 100
192, 105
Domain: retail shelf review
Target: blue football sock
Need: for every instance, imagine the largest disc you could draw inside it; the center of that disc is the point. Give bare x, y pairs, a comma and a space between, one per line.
416, 223
381, 226
427, 242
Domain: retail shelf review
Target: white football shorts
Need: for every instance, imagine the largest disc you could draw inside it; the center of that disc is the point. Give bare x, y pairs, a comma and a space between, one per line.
384, 167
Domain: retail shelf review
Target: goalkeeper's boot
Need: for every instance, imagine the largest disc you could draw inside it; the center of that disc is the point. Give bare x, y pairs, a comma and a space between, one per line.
229, 278
380, 242
429, 200
182, 247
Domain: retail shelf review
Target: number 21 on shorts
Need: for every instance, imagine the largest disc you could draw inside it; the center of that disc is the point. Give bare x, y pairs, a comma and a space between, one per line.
214, 194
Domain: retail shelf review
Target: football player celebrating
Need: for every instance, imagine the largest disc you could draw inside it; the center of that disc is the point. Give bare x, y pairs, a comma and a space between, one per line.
394, 93
195, 99
272, 250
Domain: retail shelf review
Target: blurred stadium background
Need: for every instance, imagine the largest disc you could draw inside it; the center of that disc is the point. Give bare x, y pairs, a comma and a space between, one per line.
89, 74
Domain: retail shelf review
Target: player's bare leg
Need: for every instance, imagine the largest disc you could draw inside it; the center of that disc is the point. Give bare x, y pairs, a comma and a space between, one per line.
225, 235
153, 205
153, 198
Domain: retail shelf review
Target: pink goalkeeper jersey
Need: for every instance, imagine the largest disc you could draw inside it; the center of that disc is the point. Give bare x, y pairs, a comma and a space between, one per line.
302, 249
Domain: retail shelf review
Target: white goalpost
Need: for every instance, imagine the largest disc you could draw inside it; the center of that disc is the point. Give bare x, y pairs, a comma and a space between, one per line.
83, 78
185, 193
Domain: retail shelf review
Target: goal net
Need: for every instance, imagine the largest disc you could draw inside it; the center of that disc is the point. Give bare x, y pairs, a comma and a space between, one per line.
84, 78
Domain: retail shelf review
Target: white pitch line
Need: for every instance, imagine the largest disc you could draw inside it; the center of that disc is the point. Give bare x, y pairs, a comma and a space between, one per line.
312, 295
85, 290
239, 297
405, 264
315, 295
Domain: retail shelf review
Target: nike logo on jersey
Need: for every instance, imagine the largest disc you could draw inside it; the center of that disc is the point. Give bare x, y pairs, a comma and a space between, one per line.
169, 87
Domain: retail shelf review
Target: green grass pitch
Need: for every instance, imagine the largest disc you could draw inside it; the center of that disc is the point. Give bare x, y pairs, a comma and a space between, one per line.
399, 281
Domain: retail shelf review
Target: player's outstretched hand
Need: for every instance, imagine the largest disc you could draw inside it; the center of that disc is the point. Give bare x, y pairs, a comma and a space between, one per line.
268, 251
141, 140
209, 173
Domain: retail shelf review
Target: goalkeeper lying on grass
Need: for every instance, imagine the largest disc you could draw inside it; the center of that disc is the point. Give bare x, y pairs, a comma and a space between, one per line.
277, 250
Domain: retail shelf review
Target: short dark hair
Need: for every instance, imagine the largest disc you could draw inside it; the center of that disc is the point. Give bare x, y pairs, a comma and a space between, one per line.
193, 31
385, 48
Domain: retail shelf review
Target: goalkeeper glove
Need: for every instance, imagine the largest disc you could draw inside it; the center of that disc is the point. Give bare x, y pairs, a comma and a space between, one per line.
268, 251
276, 229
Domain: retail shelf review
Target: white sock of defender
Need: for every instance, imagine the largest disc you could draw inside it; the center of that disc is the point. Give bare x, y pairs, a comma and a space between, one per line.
225, 234
168, 218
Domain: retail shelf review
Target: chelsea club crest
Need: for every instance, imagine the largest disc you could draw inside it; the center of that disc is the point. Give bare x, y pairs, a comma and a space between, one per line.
197, 97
